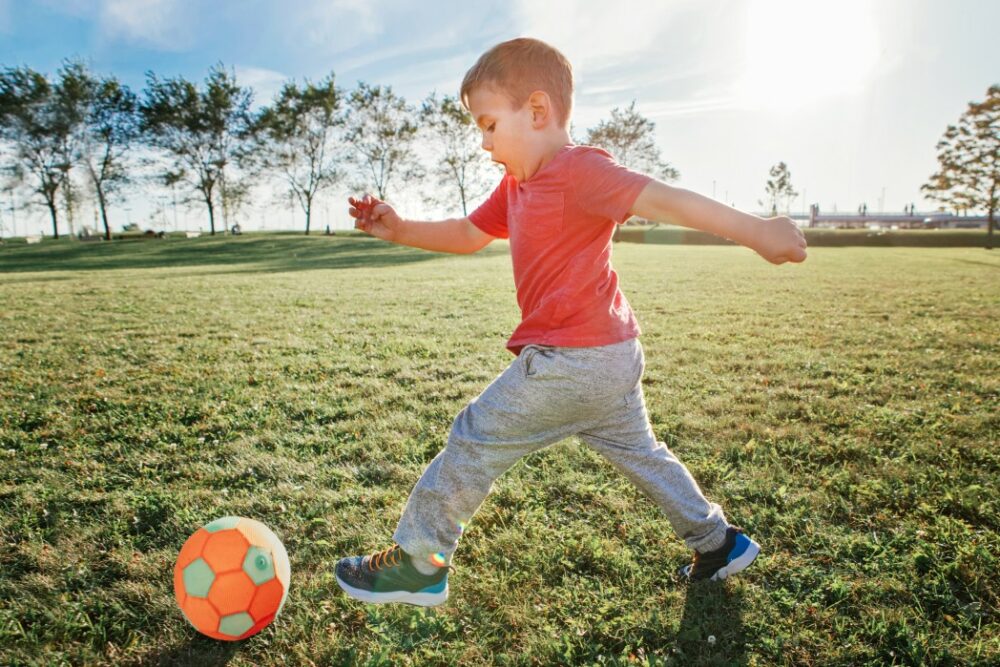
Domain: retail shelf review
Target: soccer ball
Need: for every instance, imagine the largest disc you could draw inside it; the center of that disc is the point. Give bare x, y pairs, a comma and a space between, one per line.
231, 578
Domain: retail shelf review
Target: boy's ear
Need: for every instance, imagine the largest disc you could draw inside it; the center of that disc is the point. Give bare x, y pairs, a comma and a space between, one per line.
541, 108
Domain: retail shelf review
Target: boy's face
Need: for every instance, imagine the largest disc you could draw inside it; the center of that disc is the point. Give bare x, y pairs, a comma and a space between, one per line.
508, 134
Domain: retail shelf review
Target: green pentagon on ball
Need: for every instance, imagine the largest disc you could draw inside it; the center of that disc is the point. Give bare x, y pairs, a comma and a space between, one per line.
198, 578
235, 625
258, 565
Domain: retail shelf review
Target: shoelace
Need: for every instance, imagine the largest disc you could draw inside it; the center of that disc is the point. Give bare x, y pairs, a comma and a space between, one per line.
390, 557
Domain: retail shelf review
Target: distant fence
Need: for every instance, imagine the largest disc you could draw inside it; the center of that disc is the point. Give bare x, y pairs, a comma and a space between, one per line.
914, 220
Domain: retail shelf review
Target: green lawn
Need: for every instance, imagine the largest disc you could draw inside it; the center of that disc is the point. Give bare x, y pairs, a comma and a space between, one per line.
845, 412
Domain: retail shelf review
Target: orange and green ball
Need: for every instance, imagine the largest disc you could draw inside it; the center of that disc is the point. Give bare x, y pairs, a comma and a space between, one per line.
231, 578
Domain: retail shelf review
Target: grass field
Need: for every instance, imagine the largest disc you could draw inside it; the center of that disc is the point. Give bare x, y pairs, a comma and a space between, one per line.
845, 412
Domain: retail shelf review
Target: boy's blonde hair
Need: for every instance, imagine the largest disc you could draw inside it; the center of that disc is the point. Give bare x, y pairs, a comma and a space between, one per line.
519, 67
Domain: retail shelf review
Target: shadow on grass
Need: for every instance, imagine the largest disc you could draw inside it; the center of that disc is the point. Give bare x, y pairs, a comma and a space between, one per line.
246, 254
197, 651
712, 610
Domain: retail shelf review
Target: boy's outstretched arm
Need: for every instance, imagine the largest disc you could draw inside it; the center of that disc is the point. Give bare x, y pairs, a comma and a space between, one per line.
777, 240
455, 235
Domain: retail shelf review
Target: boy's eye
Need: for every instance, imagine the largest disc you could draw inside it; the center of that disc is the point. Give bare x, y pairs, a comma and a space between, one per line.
490, 128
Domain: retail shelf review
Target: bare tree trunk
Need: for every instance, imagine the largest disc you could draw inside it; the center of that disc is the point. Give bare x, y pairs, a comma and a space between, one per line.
55, 217
69, 199
211, 213
990, 223
225, 203
104, 212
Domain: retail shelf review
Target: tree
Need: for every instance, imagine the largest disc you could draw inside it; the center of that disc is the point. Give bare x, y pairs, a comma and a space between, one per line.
460, 161
780, 192
201, 132
297, 139
109, 125
36, 124
382, 131
629, 137
71, 99
969, 161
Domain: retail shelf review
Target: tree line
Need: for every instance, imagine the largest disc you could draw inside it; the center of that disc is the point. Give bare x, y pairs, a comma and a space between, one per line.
80, 130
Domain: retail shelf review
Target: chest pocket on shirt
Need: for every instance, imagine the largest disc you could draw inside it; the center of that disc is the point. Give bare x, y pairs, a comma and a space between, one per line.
541, 216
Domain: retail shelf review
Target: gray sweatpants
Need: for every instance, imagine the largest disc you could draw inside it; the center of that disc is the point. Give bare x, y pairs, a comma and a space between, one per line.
545, 395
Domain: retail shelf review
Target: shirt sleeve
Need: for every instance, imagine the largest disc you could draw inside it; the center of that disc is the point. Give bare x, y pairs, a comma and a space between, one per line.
605, 188
491, 216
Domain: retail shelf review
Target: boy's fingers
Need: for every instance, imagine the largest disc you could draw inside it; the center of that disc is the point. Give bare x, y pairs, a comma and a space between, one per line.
797, 255
365, 210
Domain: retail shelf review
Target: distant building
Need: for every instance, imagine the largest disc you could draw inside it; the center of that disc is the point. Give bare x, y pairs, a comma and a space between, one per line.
912, 219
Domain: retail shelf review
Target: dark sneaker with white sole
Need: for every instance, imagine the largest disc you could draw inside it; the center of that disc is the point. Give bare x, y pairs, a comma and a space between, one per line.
734, 555
389, 576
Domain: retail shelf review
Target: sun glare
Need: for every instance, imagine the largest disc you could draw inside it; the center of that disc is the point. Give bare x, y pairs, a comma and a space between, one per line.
802, 51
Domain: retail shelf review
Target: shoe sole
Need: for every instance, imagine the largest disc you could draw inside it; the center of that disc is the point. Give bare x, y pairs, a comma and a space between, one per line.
406, 597
741, 563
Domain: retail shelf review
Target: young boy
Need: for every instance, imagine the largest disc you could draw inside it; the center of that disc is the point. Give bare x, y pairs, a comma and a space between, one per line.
579, 363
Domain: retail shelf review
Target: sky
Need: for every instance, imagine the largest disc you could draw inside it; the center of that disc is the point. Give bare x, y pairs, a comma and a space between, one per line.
852, 95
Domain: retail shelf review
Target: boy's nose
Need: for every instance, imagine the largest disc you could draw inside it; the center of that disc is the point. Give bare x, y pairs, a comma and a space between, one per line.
487, 145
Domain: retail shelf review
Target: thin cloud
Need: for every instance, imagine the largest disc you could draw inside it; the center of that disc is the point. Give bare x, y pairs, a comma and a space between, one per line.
265, 82
587, 115
433, 36
443, 75
6, 25
689, 107
370, 31
76, 8
643, 80
590, 35
162, 24
376, 56
665, 66
336, 25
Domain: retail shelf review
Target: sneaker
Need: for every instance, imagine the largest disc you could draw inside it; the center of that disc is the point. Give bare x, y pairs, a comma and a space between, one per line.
734, 555
389, 576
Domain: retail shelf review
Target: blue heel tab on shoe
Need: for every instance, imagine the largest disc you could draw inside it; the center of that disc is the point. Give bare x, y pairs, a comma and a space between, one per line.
436, 588
742, 542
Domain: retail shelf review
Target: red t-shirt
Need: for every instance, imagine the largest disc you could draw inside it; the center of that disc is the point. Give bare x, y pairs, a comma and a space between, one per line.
560, 224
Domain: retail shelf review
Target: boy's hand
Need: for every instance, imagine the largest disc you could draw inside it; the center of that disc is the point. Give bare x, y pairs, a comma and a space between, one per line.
780, 240
375, 217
